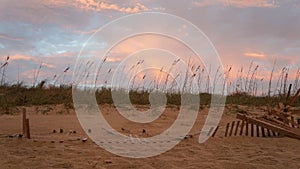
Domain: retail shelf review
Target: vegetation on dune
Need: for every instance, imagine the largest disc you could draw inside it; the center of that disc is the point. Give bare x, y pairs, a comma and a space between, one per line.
19, 95
243, 90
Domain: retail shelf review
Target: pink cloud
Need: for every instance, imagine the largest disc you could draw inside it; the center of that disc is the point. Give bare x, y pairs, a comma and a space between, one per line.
255, 55
21, 57
48, 65
96, 5
110, 59
7, 37
85, 32
238, 3
252, 3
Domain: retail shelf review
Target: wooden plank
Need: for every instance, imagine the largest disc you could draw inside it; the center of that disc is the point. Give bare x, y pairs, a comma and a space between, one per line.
263, 132
293, 120
291, 132
278, 121
275, 127
257, 130
247, 128
237, 127
274, 133
241, 116
242, 127
24, 120
226, 131
252, 129
285, 121
27, 131
213, 135
231, 129
269, 133
283, 117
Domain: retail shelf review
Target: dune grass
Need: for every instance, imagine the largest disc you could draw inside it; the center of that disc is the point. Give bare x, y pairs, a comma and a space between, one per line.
19, 95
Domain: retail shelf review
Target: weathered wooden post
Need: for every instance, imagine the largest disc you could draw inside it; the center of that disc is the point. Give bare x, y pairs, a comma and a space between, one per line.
226, 131
247, 128
252, 130
231, 129
27, 129
242, 127
236, 128
263, 132
269, 133
214, 133
25, 124
24, 121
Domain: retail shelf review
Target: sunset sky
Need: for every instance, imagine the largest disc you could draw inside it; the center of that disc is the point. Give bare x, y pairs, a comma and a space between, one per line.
52, 32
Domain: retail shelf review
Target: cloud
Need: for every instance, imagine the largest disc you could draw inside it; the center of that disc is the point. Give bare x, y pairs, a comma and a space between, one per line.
21, 57
53, 31
109, 59
255, 55
252, 3
96, 5
48, 65
238, 3
7, 37
51, 65
85, 32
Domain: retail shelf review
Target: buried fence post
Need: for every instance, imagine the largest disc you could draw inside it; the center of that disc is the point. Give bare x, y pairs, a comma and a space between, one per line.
247, 128
214, 133
252, 130
23, 121
27, 133
25, 124
236, 128
257, 130
226, 131
231, 129
263, 132
242, 127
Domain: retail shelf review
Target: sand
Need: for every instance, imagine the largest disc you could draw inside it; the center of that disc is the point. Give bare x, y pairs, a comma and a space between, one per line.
66, 150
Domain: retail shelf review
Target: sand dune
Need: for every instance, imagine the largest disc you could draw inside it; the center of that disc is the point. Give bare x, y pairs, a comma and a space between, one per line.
65, 150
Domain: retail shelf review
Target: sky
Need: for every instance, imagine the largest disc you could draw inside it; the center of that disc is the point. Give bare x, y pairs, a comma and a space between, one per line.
51, 33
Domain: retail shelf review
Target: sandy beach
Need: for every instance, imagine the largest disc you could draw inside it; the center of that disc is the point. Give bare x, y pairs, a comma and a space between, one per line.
47, 149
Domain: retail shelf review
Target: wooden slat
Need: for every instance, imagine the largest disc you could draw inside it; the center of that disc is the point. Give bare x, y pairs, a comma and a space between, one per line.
263, 132
252, 129
27, 131
283, 116
291, 132
257, 130
226, 131
269, 133
237, 127
24, 121
231, 129
247, 128
242, 127
274, 133
214, 133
